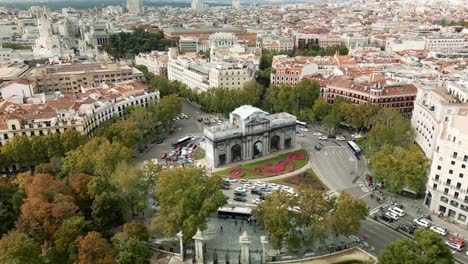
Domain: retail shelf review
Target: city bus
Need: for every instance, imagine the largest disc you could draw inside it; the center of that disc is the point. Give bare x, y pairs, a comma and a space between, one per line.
235, 212
181, 142
354, 148
301, 124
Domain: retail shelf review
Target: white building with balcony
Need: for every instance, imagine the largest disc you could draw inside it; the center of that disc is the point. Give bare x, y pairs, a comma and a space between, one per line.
440, 118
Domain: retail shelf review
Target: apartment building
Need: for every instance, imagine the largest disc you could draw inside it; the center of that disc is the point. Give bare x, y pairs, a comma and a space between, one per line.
290, 70
85, 111
156, 62
69, 77
446, 42
376, 91
440, 119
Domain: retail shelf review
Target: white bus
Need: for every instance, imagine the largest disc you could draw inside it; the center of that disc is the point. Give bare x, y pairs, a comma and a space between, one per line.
181, 142
301, 124
354, 148
235, 212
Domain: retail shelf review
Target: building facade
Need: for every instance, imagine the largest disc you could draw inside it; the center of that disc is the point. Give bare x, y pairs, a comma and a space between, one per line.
251, 133
69, 77
377, 92
135, 6
440, 120
156, 62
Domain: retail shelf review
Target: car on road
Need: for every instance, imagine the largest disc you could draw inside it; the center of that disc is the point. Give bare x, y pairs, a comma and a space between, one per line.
255, 191
452, 245
340, 138
304, 129
407, 229
244, 181
323, 138
240, 189
274, 186
317, 147
195, 138
457, 240
300, 135
231, 180
396, 210
439, 230
354, 238
317, 134
392, 215
240, 198
256, 201
386, 218
423, 222
226, 187
238, 193
200, 119
248, 186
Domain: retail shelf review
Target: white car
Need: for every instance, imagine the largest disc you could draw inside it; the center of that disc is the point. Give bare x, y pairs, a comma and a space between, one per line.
317, 134
240, 189
340, 138
274, 186
423, 222
300, 135
260, 184
323, 138
392, 215
256, 201
396, 211
455, 246
248, 186
296, 209
231, 180
439, 230
305, 129
195, 138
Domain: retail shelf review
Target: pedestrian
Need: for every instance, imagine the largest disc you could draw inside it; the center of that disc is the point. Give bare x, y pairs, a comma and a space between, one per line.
240, 229
221, 228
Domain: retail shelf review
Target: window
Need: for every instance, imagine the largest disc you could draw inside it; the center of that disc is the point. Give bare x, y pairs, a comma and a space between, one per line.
434, 186
456, 194
449, 181
453, 162
465, 158
460, 175
463, 166
458, 185
437, 177
450, 171
446, 190
439, 167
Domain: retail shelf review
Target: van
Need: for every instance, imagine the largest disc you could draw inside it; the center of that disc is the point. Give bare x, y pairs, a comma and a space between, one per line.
440, 230
423, 222
452, 245
398, 211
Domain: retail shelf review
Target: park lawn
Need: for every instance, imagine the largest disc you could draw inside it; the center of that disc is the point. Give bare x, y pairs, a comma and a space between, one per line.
199, 154
273, 160
307, 178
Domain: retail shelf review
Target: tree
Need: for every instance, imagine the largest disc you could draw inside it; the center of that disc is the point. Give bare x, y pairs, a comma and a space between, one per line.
65, 239
136, 229
131, 250
400, 167
78, 184
168, 108
349, 213
48, 203
125, 132
321, 108
8, 213
16, 247
389, 127
132, 186
71, 139
19, 149
44, 168
252, 93
186, 197
92, 248
335, 116
276, 218
107, 211
427, 247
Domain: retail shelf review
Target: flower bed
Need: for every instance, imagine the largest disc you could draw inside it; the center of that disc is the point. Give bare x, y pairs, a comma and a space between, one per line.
307, 178
272, 167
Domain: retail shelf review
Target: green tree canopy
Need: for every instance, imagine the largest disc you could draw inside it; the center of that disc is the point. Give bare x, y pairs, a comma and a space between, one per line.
186, 197
427, 247
348, 215
19, 248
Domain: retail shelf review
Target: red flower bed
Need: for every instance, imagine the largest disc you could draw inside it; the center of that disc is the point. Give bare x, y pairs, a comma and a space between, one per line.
269, 170
304, 178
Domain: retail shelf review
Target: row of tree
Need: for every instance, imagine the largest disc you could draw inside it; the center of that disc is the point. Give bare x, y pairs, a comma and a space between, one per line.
316, 220
127, 45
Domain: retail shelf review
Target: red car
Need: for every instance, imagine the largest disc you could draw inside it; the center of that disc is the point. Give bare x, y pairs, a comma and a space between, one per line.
457, 240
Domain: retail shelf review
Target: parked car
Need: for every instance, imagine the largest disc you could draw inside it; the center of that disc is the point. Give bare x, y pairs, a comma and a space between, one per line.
407, 229
244, 181
423, 222
240, 189
256, 201
200, 119
386, 218
457, 240
255, 191
454, 246
340, 138
305, 129
317, 134
240, 198
396, 210
231, 180
392, 215
300, 135
323, 138
226, 187
317, 147
238, 193
439, 230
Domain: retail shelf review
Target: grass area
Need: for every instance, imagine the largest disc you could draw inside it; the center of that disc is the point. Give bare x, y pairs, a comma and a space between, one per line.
267, 162
199, 154
308, 178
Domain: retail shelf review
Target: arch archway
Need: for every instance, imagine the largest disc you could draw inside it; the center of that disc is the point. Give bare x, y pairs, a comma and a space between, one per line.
258, 149
275, 143
236, 153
